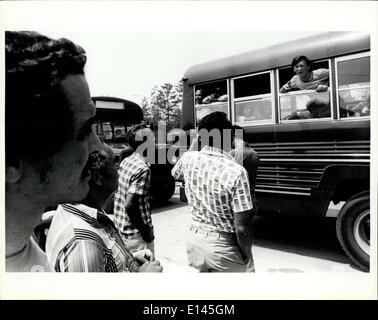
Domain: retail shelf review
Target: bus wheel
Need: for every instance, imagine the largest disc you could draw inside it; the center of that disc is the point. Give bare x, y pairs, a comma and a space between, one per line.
162, 190
353, 230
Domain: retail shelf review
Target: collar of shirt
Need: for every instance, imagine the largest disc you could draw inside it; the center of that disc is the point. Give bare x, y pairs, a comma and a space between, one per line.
139, 156
86, 213
216, 152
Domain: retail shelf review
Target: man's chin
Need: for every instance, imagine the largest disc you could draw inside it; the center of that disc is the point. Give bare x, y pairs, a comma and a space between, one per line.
77, 195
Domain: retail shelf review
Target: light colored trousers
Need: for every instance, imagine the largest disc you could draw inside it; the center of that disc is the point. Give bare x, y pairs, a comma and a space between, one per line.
212, 251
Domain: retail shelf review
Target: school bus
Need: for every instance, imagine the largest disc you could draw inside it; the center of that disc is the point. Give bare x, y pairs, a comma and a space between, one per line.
314, 147
114, 116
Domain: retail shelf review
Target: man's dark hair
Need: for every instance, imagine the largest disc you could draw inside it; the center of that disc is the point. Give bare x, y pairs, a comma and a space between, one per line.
297, 59
38, 120
215, 120
131, 134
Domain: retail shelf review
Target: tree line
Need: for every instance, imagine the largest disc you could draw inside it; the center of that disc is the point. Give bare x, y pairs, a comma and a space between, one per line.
163, 104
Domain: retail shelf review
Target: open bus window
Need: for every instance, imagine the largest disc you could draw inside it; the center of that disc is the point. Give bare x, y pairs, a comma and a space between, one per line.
287, 73
353, 86
210, 97
253, 99
303, 104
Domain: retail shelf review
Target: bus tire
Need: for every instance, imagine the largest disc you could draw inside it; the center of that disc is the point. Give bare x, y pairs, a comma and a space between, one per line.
162, 190
353, 230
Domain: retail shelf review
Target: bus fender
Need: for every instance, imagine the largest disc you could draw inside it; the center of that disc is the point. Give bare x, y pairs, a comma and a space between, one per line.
333, 174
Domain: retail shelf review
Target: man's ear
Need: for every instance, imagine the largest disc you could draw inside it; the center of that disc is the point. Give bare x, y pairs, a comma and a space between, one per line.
14, 171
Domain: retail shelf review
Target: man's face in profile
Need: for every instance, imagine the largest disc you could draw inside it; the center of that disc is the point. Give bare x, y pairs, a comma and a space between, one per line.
67, 179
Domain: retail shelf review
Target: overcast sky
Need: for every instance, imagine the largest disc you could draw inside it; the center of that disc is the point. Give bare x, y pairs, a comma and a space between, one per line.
129, 64
132, 47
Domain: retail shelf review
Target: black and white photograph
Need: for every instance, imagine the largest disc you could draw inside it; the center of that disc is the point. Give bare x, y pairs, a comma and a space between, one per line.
203, 149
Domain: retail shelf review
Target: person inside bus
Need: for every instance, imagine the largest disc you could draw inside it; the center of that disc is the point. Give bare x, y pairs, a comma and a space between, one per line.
213, 97
250, 113
49, 116
219, 199
82, 237
305, 78
132, 208
318, 109
198, 97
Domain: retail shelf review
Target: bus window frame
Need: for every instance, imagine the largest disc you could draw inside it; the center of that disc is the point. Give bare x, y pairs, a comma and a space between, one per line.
272, 95
298, 92
198, 106
347, 58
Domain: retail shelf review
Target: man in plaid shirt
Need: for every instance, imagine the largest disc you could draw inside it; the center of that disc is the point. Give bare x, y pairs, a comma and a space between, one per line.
132, 212
220, 203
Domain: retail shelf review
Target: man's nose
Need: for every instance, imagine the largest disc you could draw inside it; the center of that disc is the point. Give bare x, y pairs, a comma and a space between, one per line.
94, 143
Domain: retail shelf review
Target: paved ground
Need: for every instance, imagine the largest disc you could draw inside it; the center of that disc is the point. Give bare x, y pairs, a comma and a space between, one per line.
280, 245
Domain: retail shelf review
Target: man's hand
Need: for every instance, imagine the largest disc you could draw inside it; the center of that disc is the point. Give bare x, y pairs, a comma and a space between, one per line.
321, 88
153, 266
143, 256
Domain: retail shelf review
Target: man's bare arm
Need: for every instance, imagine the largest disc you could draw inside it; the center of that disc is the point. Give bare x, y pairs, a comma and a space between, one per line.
132, 209
243, 228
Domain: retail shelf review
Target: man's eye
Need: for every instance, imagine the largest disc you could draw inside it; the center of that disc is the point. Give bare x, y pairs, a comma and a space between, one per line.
94, 127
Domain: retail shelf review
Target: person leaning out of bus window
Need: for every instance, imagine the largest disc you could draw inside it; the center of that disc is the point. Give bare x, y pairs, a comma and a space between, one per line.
305, 78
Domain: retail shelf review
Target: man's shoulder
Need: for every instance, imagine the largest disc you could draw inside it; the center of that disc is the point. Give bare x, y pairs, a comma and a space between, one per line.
133, 164
322, 72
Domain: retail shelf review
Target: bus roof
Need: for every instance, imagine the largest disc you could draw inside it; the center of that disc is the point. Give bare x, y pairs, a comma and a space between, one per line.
131, 113
320, 46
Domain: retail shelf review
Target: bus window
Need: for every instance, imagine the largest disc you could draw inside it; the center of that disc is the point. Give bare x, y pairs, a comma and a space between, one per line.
104, 130
253, 98
353, 86
303, 104
210, 97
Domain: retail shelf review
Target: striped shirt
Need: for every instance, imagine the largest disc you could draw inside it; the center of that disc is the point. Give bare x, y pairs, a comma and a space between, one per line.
216, 188
82, 239
134, 177
318, 77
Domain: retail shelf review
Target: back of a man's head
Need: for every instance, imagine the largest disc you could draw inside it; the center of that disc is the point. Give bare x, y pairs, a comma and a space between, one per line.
104, 174
216, 125
135, 135
38, 120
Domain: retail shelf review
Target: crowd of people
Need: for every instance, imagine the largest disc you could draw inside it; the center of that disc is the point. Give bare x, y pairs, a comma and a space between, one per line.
72, 172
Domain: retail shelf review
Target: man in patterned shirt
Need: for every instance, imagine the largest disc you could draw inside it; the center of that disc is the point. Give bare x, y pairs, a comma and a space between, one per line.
132, 212
83, 239
220, 204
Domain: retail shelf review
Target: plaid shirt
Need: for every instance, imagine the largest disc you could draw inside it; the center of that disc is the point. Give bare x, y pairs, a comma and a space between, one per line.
216, 187
82, 239
134, 177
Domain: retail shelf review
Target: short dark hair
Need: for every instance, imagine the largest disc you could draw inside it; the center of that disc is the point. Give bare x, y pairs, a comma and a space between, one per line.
215, 120
297, 59
236, 127
38, 120
131, 134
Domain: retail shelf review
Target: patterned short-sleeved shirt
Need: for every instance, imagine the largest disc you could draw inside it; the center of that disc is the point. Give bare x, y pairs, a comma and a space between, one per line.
216, 187
134, 177
82, 239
